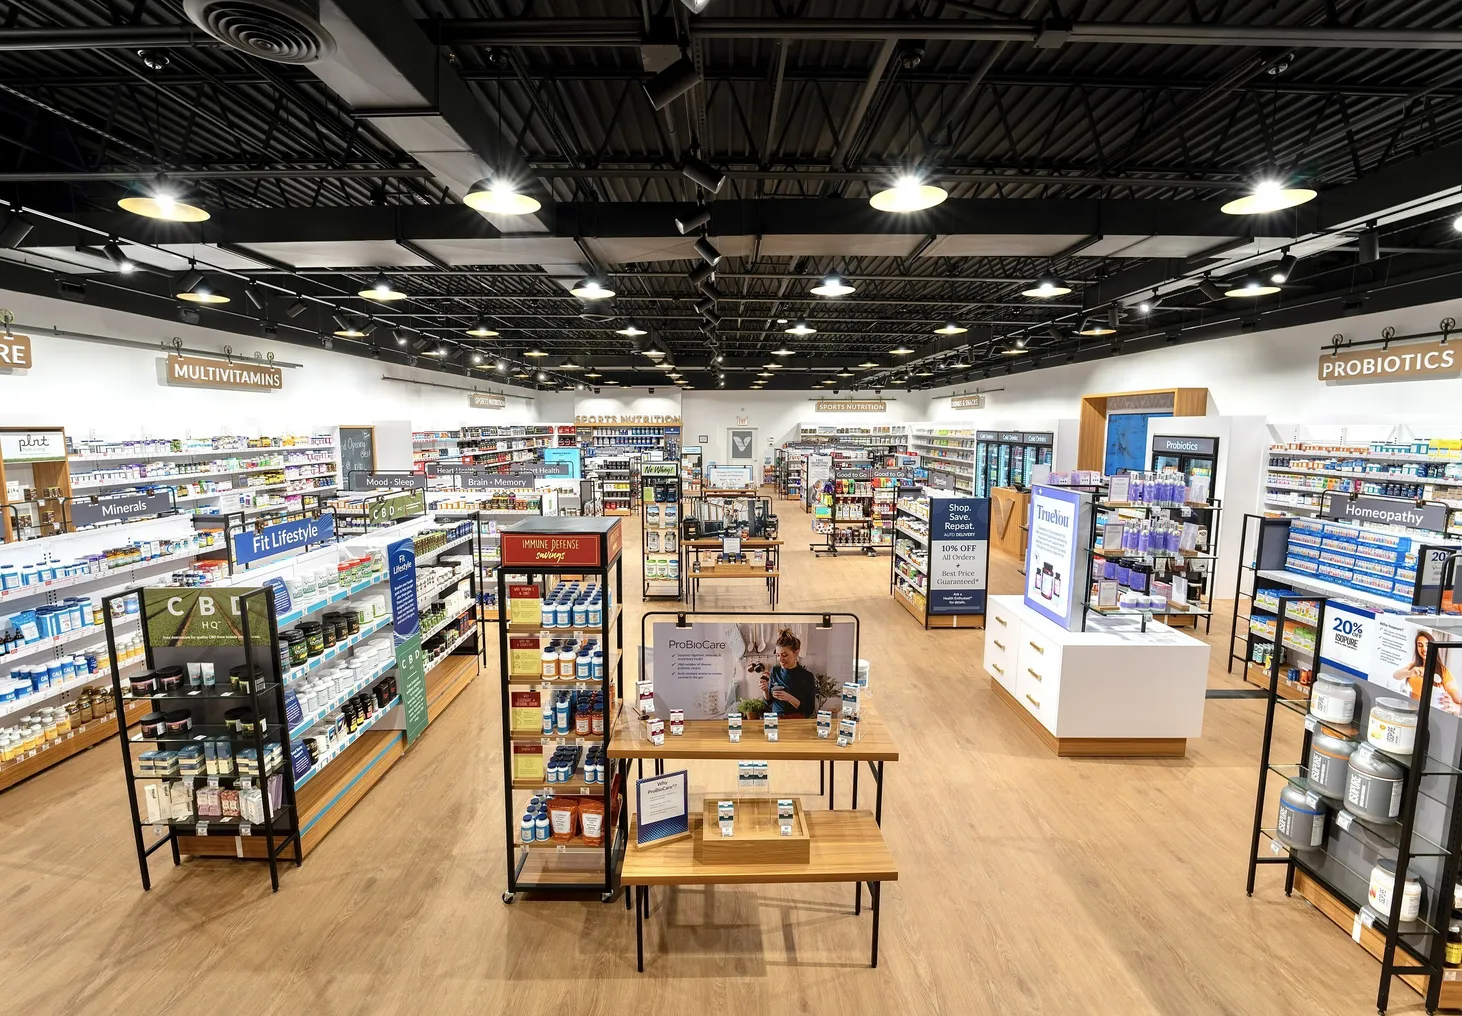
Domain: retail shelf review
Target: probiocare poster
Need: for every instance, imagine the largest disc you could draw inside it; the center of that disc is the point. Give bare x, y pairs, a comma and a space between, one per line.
1055, 574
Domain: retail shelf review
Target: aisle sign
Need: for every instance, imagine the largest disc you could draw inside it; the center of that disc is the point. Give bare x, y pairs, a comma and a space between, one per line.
396, 506
119, 509
406, 626
959, 554
243, 376
967, 402
486, 400
386, 481
1411, 361
252, 545
1053, 587
850, 406
15, 352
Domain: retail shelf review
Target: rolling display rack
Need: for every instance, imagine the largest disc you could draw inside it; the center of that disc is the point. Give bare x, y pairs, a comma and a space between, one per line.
849, 496
660, 486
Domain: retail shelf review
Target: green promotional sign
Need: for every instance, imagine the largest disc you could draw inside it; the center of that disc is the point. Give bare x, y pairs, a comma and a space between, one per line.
396, 506
202, 617
411, 685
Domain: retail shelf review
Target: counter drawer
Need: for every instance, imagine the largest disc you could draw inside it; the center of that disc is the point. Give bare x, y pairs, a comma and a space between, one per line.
1001, 655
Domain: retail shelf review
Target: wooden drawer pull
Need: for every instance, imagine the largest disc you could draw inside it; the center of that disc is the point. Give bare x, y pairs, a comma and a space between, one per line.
1000, 620
1032, 673
1036, 648
998, 644
1032, 701
998, 667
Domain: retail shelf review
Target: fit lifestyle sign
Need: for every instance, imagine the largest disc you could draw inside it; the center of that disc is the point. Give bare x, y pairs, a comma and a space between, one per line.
1413, 361
15, 352
193, 372
486, 400
851, 406
967, 402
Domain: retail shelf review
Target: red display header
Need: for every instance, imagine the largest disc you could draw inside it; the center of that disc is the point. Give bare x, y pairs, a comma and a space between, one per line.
522, 550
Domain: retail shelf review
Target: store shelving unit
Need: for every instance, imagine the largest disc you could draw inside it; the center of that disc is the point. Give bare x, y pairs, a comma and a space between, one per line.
585, 548
660, 498
909, 567
614, 482
35, 485
1008, 458
1160, 566
1424, 838
1299, 473
849, 522
948, 453
791, 472
692, 471
500, 447
820, 436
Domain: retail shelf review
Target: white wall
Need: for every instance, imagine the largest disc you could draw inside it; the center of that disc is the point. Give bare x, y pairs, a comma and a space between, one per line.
113, 391
775, 415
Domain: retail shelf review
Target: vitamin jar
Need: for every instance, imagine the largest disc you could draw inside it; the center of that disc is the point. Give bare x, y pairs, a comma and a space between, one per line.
1332, 698
1392, 726
1373, 785
1383, 884
1328, 764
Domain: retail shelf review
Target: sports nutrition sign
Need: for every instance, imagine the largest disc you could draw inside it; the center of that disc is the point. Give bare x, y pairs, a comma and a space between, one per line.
1413, 361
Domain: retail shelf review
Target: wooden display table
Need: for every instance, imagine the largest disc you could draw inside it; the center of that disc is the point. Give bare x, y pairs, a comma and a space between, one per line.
845, 846
1009, 509
691, 550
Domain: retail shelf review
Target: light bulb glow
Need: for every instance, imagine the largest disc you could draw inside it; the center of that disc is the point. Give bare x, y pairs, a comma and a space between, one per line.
908, 194
1269, 196
499, 197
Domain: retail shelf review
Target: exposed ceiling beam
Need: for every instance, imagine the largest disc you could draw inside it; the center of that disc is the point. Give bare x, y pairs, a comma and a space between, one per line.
277, 173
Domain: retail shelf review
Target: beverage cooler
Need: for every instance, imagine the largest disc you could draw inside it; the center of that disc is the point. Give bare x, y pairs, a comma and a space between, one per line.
1191, 456
1007, 458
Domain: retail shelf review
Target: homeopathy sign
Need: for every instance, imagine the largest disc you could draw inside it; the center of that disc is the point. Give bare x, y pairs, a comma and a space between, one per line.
1411, 361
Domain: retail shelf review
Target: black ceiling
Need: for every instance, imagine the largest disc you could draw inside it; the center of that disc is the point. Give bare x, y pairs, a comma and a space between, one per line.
1055, 126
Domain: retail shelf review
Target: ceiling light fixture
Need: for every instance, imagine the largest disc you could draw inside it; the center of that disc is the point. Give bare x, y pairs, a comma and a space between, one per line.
631, 329
833, 284
869, 364
1269, 196
1046, 287
923, 372
592, 289
200, 291
1094, 326
901, 350
909, 193
845, 373
500, 197
480, 329
951, 328
1207, 287
535, 352
1280, 272
765, 373
542, 376
709, 289
700, 217
707, 250
784, 351
593, 373
476, 357
295, 309
400, 337
1251, 287
797, 328
382, 289
570, 364
124, 265
702, 174
348, 329
654, 352
160, 200
671, 83
701, 274
502, 366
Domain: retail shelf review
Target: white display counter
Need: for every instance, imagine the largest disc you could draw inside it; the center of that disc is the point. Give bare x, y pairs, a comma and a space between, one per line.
1112, 690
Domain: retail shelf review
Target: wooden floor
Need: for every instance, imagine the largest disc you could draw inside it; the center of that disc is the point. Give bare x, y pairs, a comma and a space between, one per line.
1029, 884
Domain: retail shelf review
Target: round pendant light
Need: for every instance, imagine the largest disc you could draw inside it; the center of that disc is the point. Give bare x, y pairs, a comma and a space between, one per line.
481, 330
161, 200
869, 364
1251, 287
1094, 326
901, 350
833, 284
783, 351
950, 328
798, 328
592, 289
1269, 196
498, 197
350, 329
200, 291
382, 289
1047, 287
908, 194
535, 352
631, 329
571, 364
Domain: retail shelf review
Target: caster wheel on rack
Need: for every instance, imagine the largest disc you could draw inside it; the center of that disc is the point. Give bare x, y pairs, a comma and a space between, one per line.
508, 897
606, 897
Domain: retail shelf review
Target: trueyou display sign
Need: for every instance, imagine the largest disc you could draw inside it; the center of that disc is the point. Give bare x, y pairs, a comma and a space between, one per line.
1052, 586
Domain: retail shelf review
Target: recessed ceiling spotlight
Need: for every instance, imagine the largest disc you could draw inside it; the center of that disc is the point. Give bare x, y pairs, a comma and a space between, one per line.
161, 200
1251, 287
901, 350
909, 193
480, 329
1046, 287
1269, 196
833, 284
951, 328
382, 289
592, 289
631, 329
798, 328
1280, 272
500, 197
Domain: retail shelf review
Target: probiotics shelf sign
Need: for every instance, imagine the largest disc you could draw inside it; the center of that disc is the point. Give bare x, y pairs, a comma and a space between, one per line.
406, 626
959, 554
1052, 586
255, 545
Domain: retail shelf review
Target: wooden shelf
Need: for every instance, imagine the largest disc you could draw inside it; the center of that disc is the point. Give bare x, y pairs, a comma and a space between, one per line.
796, 739
90, 735
909, 605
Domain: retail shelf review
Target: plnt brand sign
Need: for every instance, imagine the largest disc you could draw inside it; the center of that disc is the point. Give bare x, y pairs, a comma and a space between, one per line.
15, 352
193, 372
33, 446
1164, 445
276, 539
1413, 361
132, 506
1390, 511
967, 402
486, 400
851, 406
521, 550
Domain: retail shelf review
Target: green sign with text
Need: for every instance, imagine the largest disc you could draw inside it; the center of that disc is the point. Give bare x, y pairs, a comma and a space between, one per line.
395, 506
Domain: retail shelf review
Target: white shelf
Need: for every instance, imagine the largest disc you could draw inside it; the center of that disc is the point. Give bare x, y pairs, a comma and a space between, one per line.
121, 575
304, 725
335, 651
1358, 454
1440, 481
174, 479
86, 633
208, 453
919, 538
1313, 583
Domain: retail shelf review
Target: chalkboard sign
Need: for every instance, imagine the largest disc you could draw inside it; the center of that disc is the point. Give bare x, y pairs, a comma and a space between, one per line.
357, 450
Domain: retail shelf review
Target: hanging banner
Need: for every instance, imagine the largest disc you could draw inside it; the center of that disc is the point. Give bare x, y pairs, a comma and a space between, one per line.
202, 617
486, 400
15, 352
396, 506
1411, 361
195, 372
1391, 511
254, 545
967, 402
406, 626
119, 509
494, 481
959, 554
850, 406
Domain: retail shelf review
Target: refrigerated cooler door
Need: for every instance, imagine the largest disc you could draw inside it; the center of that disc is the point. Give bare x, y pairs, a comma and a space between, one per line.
1160, 462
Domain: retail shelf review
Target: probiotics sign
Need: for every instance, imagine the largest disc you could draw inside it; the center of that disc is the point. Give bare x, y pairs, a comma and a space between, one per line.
255, 545
959, 554
195, 372
1412, 361
1052, 586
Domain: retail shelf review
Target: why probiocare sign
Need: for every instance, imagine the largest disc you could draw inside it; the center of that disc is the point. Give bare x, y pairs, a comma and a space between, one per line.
1414, 361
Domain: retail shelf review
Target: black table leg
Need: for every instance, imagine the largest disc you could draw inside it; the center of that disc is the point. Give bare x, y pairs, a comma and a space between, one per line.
855, 786
878, 809
821, 778
646, 899
640, 932
874, 890
832, 783
858, 897
628, 892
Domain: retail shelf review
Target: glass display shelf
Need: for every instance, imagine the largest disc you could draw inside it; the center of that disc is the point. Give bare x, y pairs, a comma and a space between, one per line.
1376, 834
234, 825
202, 695
211, 778
209, 732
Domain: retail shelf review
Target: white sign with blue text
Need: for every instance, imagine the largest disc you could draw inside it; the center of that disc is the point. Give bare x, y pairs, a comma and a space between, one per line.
255, 545
959, 554
1351, 640
1053, 587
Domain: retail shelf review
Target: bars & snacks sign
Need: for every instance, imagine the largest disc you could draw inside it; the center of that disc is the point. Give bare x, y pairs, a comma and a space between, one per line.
194, 372
1413, 361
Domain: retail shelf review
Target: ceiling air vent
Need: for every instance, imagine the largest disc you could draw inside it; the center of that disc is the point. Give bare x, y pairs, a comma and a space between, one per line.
284, 31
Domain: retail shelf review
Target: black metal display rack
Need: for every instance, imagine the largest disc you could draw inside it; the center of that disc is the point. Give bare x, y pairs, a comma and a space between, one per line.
1425, 835
858, 513
660, 487
571, 865
1161, 565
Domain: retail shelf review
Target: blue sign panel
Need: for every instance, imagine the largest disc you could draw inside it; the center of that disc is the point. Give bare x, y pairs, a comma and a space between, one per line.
251, 545
401, 567
959, 554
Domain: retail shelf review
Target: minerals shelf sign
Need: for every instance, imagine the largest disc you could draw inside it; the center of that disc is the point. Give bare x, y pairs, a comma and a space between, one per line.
1412, 361
194, 372
851, 406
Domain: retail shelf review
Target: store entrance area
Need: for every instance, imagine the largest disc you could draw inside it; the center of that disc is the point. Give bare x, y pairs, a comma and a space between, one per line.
1027, 882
